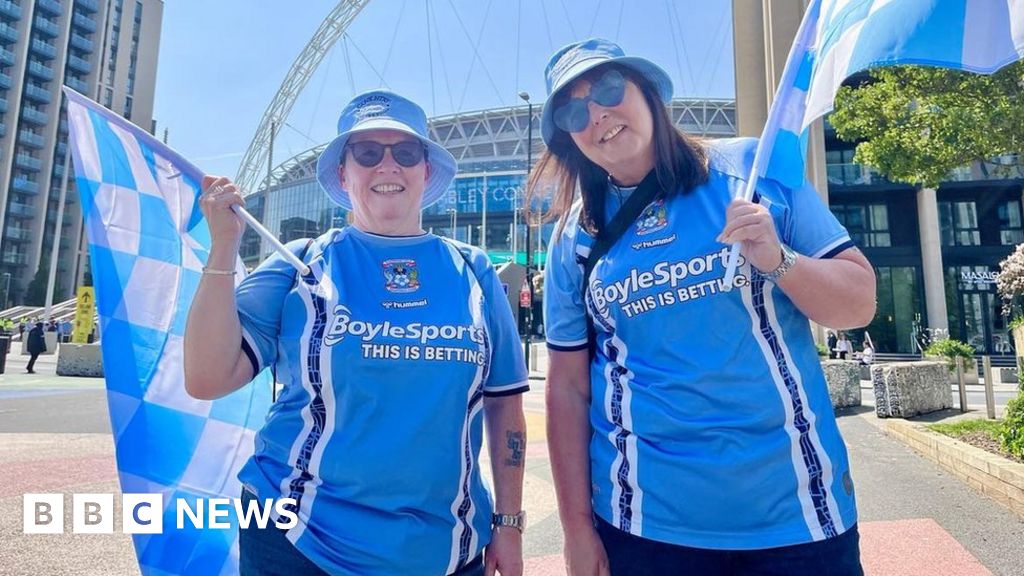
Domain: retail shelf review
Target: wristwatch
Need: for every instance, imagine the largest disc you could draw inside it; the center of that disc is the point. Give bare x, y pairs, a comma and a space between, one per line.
788, 259
517, 521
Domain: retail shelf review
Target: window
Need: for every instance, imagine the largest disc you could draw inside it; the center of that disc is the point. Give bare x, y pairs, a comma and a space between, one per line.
108, 98
959, 224
1011, 230
868, 224
128, 107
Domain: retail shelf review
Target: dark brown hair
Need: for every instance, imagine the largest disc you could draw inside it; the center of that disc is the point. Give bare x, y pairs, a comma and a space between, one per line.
680, 162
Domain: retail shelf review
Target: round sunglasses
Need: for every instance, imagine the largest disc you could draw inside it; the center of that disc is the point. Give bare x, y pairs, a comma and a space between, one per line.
608, 90
368, 153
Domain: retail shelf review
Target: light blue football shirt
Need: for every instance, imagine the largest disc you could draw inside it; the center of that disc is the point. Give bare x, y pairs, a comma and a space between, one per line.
712, 424
385, 358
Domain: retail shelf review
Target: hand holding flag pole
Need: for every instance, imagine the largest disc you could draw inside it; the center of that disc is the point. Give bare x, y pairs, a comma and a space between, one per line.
786, 111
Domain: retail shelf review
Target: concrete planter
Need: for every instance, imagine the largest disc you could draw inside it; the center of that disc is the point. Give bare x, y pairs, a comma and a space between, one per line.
843, 379
906, 389
970, 374
80, 360
1018, 343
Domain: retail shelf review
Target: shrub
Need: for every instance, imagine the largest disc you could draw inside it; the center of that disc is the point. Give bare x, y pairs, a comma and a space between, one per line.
1010, 284
822, 350
950, 349
1012, 432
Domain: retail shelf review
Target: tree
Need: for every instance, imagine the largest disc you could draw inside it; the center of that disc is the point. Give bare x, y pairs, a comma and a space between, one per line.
35, 294
916, 124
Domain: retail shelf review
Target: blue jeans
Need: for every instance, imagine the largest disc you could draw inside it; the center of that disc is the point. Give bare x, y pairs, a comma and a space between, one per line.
630, 555
268, 552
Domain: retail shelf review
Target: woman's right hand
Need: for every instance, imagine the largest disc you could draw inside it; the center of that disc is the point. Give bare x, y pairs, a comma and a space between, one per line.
585, 554
218, 196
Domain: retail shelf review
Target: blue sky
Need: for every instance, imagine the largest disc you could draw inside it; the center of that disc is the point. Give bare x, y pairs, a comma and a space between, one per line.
221, 62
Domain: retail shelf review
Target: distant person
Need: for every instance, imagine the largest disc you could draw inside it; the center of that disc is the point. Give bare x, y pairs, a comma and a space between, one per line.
867, 355
843, 347
831, 342
36, 345
538, 303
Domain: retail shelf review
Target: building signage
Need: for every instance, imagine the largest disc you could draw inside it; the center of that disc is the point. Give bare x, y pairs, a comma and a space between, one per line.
978, 279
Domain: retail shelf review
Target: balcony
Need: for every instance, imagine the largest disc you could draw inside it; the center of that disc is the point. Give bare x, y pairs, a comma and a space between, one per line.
40, 70
80, 65
44, 49
87, 5
15, 233
37, 94
58, 170
3, 105
5, 81
14, 259
3, 129
852, 174
6, 57
8, 33
29, 163
34, 116
84, 22
49, 6
21, 210
31, 139
77, 84
46, 27
10, 9
25, 186
81, 42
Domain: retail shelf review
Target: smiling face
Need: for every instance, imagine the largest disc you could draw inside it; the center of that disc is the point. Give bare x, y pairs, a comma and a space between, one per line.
619, 138
386, 198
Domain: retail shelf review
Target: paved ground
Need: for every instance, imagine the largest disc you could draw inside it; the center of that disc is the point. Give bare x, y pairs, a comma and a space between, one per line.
915, 518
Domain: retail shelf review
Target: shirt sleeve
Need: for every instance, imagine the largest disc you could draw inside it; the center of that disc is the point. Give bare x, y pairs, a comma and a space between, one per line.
565, 320
809, 227
260, 298
508, 374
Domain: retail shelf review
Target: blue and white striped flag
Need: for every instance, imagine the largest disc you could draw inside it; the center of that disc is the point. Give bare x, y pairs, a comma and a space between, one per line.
148, 242
839, 38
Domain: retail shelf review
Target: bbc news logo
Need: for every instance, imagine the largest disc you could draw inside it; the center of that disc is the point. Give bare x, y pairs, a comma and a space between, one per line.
144, 513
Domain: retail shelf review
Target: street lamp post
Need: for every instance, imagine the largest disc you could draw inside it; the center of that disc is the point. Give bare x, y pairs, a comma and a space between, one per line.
526, 218
455, 220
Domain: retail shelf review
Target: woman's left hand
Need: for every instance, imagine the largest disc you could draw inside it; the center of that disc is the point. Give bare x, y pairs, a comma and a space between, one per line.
752, 226
504, 555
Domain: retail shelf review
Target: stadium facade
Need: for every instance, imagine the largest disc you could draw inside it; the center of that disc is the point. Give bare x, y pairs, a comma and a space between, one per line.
969, 224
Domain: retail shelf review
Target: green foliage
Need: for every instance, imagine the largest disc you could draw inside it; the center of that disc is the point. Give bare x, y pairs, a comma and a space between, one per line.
1011, 434
962, 427
35, 294
950, 349
916, 124
1017, 322
822, 350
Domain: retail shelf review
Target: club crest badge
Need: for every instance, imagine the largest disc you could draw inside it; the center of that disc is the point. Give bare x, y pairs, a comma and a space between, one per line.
653, 218
401, 276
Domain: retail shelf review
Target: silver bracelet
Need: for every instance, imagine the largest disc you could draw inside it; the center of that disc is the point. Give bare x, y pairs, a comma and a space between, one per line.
217, 272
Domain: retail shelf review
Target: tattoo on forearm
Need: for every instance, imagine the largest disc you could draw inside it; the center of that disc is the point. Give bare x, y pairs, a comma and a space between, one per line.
516, 443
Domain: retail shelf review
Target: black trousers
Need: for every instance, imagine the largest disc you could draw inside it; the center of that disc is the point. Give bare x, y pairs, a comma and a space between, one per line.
32, 361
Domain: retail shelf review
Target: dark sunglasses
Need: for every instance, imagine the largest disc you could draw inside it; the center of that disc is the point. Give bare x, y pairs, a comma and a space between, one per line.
368, 153
608, 90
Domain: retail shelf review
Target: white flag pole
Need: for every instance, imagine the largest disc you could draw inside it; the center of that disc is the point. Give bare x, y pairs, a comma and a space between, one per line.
804, 37
266, 235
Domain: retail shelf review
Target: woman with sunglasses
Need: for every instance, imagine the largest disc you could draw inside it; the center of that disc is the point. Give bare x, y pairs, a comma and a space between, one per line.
394, 352
689, 425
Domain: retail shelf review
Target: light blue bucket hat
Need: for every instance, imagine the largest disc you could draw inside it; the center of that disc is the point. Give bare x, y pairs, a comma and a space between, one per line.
384, 110
574, 60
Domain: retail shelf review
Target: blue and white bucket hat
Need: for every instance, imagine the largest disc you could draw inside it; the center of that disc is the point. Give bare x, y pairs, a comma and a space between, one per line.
384, 110
572, 61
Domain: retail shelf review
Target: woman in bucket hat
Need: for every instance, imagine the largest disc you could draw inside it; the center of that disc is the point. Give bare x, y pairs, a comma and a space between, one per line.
394, 351
689, 426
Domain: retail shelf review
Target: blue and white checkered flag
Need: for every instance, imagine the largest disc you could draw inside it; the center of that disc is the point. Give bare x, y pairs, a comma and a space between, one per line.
148, 242
839, 38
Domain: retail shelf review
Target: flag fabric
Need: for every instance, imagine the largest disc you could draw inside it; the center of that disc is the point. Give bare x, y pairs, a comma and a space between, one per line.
838, 38
148, 242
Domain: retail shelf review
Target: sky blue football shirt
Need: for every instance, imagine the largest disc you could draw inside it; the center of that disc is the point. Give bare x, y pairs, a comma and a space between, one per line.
385, 360
712, 424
